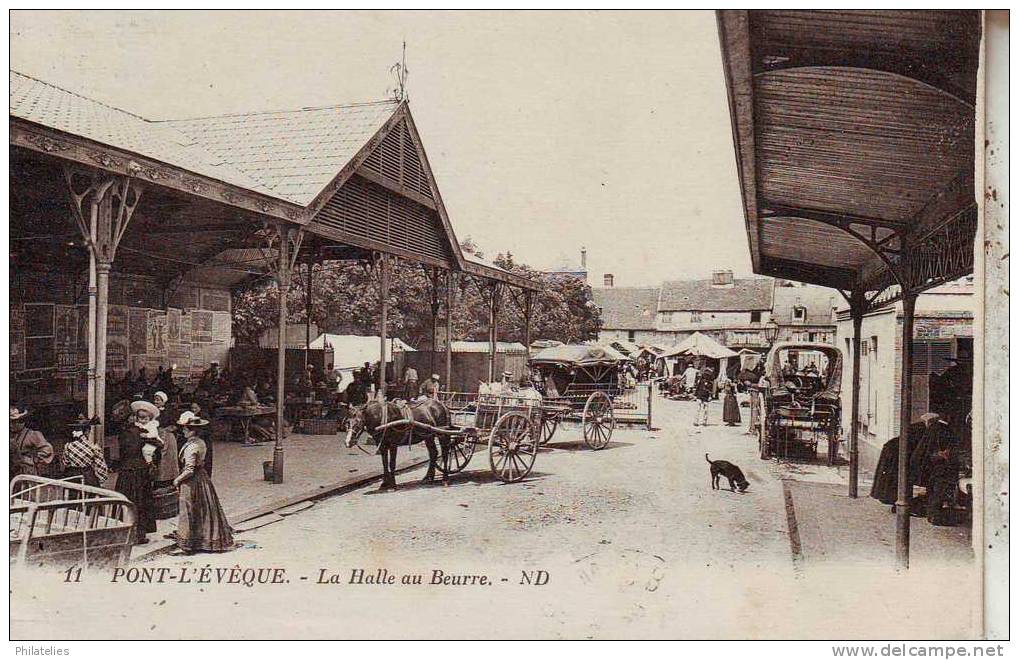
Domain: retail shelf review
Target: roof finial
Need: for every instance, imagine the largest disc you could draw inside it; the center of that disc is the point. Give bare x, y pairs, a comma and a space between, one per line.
399, 71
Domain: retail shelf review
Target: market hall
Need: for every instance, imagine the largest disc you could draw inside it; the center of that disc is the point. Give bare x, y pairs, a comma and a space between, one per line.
149, 226
854, 137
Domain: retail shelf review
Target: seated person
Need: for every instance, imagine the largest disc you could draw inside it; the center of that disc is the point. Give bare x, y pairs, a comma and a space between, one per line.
526, 392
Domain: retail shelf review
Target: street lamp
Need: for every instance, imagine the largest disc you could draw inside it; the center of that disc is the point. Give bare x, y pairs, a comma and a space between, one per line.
771, 331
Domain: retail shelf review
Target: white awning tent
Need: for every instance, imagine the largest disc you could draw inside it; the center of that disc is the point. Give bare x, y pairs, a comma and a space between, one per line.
352, 351
701, 345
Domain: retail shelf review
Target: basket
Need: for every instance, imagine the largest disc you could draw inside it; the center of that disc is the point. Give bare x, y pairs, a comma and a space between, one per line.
320, 426
166, 502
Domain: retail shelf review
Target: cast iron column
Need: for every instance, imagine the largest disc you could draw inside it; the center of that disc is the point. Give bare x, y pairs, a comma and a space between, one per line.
449, 330
435, 320
283, 285
493, 332
383, 310
307, 319
856, 305
905, 417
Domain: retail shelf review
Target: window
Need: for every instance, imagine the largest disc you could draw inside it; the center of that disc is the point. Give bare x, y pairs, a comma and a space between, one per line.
755, 317
631, 335
695, 317
799, 313
667, 318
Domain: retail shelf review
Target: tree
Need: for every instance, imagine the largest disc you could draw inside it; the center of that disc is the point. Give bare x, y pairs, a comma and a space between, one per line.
345, 300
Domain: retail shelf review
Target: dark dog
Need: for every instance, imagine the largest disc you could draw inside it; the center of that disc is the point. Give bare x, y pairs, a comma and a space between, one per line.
730, 472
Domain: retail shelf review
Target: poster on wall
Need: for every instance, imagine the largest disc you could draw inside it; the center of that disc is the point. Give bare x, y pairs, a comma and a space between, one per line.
201, 327
185, 328
117, 354
138, 328
221, 326
198, 363
83, 322
179, 357
137, 361
117, 321
155, 343
17, 338
67, 360
173, 326
65, 330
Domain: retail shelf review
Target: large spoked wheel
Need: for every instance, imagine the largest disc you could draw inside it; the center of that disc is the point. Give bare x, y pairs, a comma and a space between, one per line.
461, 450
598, 420
512, 447
548, 428
762, 439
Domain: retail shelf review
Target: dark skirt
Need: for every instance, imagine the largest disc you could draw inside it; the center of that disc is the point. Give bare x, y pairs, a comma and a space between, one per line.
136, 485
87, 474
730, 409
201, 523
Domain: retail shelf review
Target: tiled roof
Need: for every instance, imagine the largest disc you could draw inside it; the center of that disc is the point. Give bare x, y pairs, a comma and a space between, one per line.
286, 155
45, 104
627, 308
291, 154
817, 300
749, 294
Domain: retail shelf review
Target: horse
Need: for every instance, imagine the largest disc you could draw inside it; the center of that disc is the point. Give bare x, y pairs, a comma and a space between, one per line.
373, 414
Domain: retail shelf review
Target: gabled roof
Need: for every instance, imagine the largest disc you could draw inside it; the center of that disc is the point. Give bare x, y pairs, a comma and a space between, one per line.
627, 308
291, 155
282, 164
745, 295
818, 301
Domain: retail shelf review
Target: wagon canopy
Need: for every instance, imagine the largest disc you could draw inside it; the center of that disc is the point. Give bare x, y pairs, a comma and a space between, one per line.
773, 365
578, 355
701, 345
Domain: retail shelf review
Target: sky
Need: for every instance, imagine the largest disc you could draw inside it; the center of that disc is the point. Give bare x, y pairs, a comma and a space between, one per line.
547, 131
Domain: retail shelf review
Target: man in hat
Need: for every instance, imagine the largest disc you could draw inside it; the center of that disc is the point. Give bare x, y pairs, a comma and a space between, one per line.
29, 449
505, 386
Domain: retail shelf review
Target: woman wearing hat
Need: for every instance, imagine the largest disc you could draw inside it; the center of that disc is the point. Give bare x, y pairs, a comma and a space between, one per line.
29, 449
136, 472
201, 523
82, 458
166, 467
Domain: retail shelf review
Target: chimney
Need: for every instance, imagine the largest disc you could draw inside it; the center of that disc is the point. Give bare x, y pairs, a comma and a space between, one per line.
583, 258
722, 278
608, 280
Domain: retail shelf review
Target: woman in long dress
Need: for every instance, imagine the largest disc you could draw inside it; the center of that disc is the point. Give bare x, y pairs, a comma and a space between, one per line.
136, 473
201, 523
730, 407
